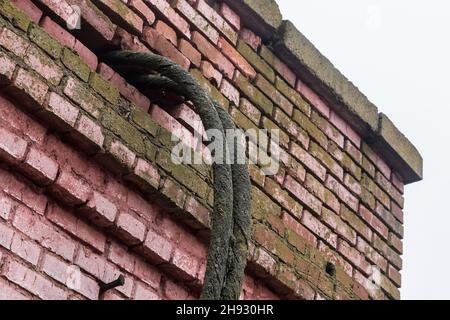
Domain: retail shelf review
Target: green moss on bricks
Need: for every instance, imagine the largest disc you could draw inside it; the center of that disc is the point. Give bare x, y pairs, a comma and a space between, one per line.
183, 174
17, 17
262, 205
44, 41
254, 94
293, 96
310, 127
143, 120
256, 61
73, 62
123, 129
150, 150
210, 89
104, 88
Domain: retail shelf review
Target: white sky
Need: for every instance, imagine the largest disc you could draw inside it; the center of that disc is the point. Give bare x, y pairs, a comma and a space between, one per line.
397, 52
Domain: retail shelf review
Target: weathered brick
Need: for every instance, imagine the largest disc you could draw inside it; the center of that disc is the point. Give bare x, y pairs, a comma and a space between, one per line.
374, 222
190, 52
43, 65
121, 14
60, 271
12, 147
79, 94
310, 162
256, 61
39, 167
43, 40
356, 223
34, 89
130, 229
342, 193
32, 11
32, 281
230, 16
76, 64
47, 236
293, 96
313, 98
339, 226
78, 228
274, 94
278, 65
13, 42
142, 10
214, 55
372, 254
355, 257
319, 228
303, 195
58, 32
175, 19
70, 188
164, 47
215, 19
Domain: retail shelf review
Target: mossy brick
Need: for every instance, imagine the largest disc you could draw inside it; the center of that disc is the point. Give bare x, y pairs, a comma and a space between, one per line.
290, 126
296, 169
104, 88
293, 96
310, 127
387, 251
150, 150
349, 165
40, 62
183, 174
262, 205
40, 37
256, 175
317, 188
387, 186
390, 288
17, 17
356, 223
370, 185
144, 121
270, 125
165, 138
74, 63
281, 196
79, 93
117, 156
296, 240
337, 224
210, 89
121, 14
255, 60
324, 157
274, 95
174, 193
367, 198
277, 64
131, 136
241, 120
326, 127
253, 94
368, 167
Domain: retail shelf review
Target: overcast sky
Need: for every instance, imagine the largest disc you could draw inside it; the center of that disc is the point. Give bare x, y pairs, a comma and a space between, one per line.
398, 53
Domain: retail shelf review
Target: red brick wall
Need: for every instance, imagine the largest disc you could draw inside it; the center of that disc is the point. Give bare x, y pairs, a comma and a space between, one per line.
86, 181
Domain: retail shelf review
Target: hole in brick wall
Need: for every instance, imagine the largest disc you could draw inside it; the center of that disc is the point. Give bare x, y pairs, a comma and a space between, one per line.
330, 269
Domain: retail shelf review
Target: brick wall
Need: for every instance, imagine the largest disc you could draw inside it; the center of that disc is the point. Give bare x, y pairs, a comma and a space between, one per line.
86, 177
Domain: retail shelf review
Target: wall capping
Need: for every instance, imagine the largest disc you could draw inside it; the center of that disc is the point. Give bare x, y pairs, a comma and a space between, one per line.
319, 73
